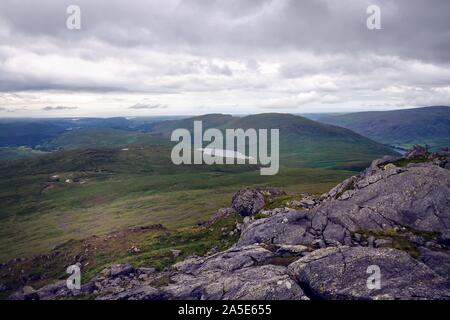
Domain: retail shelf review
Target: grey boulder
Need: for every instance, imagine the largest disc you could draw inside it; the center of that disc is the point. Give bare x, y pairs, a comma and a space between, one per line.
250, 201
342, 273
439, 261
289, 227
416, 197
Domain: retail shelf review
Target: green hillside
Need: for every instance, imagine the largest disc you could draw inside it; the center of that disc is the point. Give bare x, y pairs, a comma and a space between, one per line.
14, 153
100, 137
102, 190
303, 142
404, 128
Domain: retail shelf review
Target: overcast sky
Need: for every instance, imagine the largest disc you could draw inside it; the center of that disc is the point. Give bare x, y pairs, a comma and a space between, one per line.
148, 57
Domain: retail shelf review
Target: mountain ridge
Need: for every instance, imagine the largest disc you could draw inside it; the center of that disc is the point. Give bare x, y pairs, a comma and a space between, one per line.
406, 127
302, 141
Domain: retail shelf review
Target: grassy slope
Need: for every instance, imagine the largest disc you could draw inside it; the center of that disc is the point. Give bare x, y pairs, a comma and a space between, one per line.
121, 189
84, 227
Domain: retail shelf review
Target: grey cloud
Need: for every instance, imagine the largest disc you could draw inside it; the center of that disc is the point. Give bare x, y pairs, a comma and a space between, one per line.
13, 109
269, 53
148, 106
58, 108
413, 28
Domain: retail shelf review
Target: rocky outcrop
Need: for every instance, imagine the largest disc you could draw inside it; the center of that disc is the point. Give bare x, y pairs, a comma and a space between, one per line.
415, 197
250, 201
438, 261
48, 292
416, 151
441, 158
394, 217
382, 198
220, 214
287, 227
343, 272
244, 273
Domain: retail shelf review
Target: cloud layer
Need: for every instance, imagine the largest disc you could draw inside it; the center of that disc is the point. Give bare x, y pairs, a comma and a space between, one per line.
148, 106
58, 108
187, 57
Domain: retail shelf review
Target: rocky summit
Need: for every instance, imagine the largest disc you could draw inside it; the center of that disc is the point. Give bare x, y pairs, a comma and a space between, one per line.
391, 221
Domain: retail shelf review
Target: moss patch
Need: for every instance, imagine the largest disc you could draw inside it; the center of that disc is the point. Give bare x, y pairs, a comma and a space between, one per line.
261, 216
281, 201
403, 162
399, 238
161, 281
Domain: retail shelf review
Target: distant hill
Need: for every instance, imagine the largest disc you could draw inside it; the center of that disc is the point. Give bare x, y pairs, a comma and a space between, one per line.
429, 125
303, 142
14, 153
100, 137
165, 128
33, 132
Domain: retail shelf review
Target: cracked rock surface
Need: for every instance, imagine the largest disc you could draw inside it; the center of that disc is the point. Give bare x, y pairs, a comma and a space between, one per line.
342, 273
415, 197
244, 273
233, 274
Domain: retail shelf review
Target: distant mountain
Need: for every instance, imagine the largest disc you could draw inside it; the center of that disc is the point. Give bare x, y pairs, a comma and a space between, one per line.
35, 132
215, 120
303, 142
100, 137
32, 132
24, 133
430, 125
